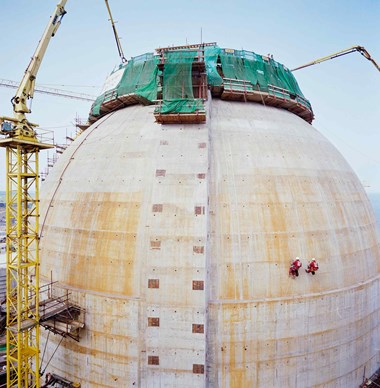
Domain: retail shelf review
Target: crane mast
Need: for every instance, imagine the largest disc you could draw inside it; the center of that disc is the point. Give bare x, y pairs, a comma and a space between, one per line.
22, 144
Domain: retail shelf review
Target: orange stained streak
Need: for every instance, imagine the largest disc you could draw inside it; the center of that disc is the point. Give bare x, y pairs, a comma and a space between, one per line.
236, 355
101, 242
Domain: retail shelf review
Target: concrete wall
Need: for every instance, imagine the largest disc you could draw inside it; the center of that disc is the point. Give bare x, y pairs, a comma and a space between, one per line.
278, 190
137, 218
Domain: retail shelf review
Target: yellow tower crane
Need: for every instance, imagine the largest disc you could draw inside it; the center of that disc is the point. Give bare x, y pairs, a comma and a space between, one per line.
22, 145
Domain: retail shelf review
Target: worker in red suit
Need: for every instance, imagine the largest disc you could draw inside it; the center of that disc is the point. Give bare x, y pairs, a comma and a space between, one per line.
312, 267
294, 267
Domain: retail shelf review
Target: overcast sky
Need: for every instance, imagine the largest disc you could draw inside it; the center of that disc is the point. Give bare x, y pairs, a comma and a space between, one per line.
345, 92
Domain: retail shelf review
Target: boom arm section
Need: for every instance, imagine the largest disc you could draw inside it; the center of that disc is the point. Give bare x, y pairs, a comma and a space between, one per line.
26, 89
350, 50
118, 43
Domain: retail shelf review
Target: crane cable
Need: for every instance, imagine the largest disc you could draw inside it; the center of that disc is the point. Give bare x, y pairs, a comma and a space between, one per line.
118, 44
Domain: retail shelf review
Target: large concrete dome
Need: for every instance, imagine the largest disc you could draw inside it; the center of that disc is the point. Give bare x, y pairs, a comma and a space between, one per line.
177, 240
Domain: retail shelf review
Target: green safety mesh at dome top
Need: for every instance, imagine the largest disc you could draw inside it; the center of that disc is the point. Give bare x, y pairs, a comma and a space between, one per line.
184, 105
141, 77
177, 80
177, 92
211, 59
260, 72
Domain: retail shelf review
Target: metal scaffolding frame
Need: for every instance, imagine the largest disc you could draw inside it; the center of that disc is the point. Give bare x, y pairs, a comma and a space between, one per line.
22, 260
22, 265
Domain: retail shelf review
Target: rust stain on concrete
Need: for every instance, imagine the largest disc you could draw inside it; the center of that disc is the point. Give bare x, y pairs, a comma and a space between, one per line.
100, 240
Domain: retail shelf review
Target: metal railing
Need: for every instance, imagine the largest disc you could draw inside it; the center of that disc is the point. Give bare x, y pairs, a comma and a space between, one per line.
45, 136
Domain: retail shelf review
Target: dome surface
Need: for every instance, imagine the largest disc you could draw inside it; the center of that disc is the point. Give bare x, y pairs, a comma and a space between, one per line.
177, 240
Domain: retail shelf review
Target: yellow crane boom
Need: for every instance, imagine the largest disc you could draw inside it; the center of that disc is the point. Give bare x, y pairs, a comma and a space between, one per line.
22, 224
25, 90
350, 50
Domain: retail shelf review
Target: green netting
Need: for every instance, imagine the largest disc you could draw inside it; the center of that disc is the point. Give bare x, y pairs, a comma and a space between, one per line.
177, 78
292, 81
271, 74
257, 73
147, 84
283, 78
95, 109
184, 105
178, 96
233, 67
211, 57
181, 56
140, 77
237, 85
130, 78
242, 70
248, 66
177, 81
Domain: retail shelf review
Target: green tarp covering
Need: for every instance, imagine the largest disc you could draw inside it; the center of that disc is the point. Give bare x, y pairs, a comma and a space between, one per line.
95, 109
233, 67
142, 77
181, 106
178, 96
139, 77
248, 66
177, 78
211, 58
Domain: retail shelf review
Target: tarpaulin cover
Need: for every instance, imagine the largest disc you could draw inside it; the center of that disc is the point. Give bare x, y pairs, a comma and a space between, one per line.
211, 58
184, 105
259, 70
95, 109
177, 81
141, 77
178, 96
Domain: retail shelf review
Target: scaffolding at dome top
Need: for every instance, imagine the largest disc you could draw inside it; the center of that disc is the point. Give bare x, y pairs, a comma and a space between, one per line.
176, 79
